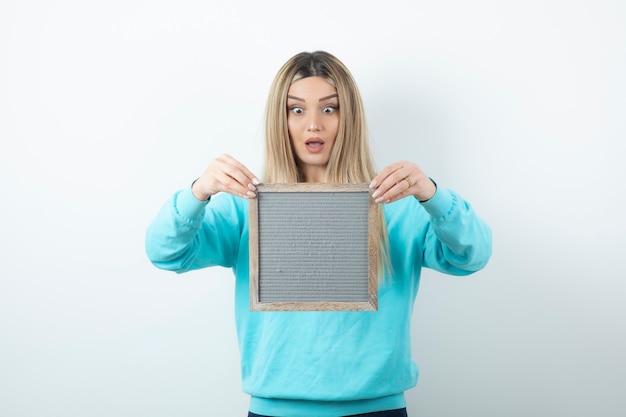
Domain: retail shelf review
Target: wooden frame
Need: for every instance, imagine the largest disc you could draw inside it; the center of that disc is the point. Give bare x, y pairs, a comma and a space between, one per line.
337, 266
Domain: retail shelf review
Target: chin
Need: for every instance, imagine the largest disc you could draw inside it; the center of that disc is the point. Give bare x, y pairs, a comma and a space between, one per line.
317, 162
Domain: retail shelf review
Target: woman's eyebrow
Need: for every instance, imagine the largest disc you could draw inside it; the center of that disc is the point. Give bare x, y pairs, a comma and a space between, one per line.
321, 99
296, 98
328, 97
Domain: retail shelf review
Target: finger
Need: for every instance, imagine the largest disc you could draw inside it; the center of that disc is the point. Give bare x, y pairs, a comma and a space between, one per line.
219, 178
384, 173
241, 172
226, 181
242, 183
233, 177
396, 181
397, 191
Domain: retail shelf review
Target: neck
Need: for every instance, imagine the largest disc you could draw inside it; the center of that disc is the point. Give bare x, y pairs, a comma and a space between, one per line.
315, 174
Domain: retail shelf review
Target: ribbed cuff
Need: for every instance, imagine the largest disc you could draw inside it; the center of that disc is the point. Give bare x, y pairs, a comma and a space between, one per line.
304, 408
188, 206
439, 204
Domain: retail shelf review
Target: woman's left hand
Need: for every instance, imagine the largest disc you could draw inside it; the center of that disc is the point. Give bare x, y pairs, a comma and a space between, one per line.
400, 180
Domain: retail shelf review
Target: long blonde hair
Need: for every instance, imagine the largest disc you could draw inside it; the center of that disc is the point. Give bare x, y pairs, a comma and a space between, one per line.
350, 160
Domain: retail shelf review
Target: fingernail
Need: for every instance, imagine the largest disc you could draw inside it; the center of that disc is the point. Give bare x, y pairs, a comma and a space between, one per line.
376, 193
251, 187
251, 194
256, 181
379, 200
373, 184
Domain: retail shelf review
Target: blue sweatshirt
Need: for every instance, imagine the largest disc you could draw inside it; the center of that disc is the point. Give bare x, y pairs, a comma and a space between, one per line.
324, 364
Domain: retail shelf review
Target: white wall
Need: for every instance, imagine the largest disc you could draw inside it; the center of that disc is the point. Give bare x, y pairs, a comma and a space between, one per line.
106, 108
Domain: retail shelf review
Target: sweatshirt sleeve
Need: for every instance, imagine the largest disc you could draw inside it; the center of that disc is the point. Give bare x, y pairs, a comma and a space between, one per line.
457, 242
189, 234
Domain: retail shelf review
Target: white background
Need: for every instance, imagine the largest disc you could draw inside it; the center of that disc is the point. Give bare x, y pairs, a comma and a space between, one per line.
107, 108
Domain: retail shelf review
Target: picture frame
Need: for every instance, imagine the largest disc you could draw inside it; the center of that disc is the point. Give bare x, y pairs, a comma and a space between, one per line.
313, 247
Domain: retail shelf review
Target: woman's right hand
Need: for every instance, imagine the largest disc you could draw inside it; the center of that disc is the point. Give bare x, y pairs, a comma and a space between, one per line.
228, 175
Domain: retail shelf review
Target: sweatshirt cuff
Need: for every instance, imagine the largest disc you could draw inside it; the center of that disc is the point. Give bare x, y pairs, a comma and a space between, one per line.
439, 204
188, 206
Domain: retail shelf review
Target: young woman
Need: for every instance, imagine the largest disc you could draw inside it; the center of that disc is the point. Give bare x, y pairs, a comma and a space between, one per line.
322, 364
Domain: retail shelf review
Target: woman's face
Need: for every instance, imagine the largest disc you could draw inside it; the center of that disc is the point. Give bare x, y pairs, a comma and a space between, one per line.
313, 122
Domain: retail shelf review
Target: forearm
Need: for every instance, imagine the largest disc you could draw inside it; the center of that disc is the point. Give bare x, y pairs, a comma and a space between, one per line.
172, 238
459, 241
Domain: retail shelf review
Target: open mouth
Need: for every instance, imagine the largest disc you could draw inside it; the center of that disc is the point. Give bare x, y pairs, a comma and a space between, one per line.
314, 145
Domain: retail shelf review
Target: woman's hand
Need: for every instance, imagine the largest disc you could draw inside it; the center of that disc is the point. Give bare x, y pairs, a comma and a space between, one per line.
225, 174
400, 180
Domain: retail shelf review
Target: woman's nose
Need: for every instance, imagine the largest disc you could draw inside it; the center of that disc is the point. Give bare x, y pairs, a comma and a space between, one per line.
313, 122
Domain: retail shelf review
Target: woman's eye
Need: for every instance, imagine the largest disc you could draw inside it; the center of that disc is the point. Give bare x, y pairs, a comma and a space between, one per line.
297, 110
329, 109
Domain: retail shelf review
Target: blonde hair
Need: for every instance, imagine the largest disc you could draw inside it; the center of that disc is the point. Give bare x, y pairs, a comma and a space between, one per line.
350, 160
